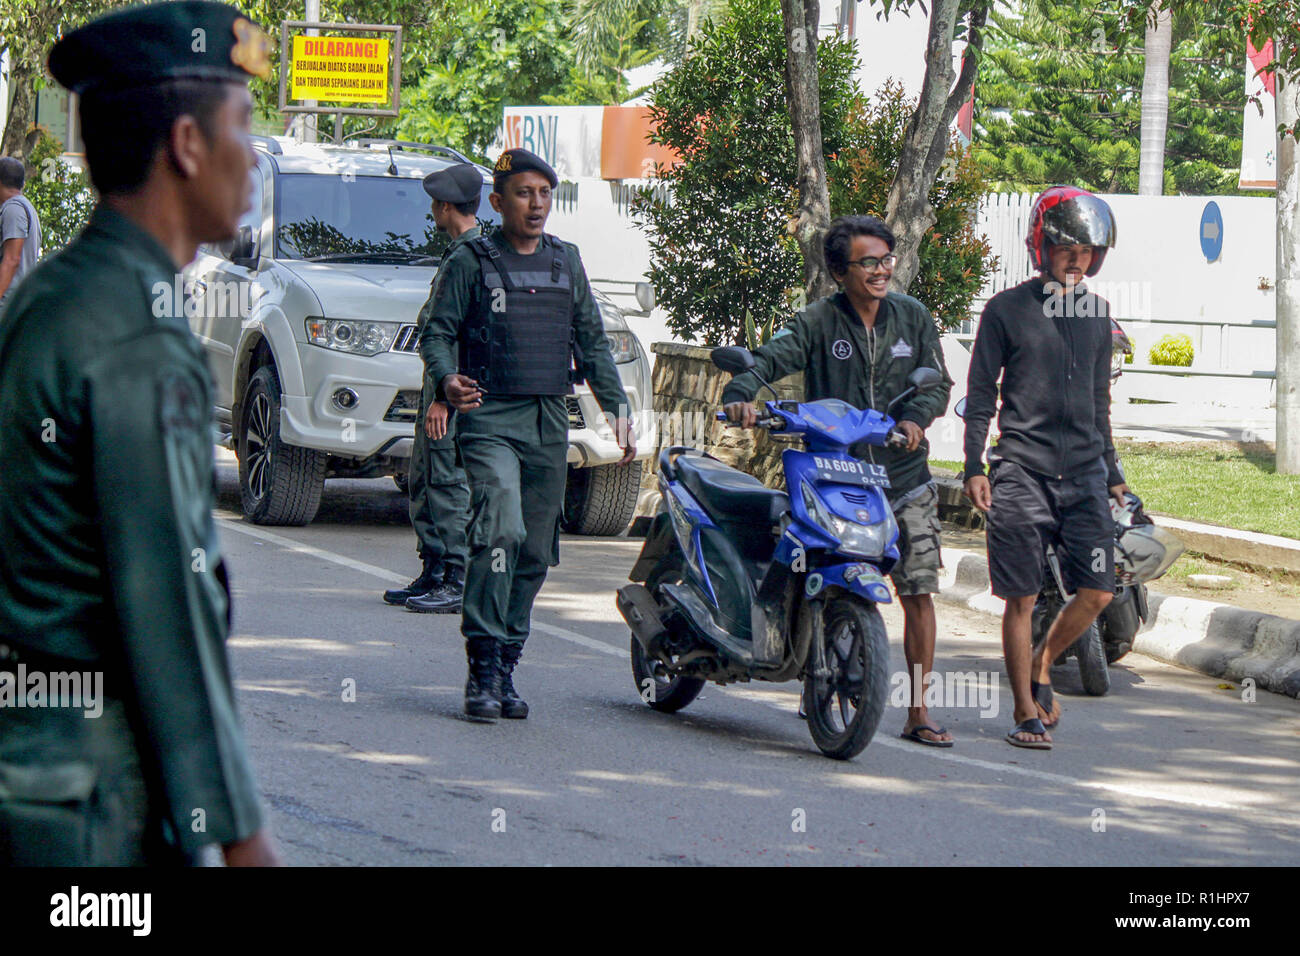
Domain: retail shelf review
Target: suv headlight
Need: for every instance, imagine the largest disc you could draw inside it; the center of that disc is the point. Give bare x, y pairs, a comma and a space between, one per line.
352, 335
866, 541
623, 345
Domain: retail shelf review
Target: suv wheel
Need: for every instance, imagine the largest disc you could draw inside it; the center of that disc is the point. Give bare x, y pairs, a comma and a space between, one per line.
279, 484
601, 500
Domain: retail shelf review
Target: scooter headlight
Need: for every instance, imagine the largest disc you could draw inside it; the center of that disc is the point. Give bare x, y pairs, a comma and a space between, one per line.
861, 540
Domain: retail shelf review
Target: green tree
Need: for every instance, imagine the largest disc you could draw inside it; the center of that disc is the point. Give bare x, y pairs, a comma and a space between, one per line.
1059, 100
60, 194
506, 52
29, 28
954, 259
721, 245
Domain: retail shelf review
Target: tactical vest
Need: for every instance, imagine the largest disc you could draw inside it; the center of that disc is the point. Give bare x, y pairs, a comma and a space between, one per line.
520, 341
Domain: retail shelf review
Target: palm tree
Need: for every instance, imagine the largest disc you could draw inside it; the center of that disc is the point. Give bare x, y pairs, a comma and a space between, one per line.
1155, 103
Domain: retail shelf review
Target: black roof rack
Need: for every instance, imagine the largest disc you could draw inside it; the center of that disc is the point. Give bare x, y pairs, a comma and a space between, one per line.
401, 144
269, 142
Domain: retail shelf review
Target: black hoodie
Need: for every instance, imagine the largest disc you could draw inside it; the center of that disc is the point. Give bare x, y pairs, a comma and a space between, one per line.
1053, 351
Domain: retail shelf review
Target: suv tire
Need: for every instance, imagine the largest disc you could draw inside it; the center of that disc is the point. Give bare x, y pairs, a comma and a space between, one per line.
601, 500
279, 484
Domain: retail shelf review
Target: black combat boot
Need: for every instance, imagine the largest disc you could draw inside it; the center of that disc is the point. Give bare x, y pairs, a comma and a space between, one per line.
483, 689
513, 706
429, 579
444, 599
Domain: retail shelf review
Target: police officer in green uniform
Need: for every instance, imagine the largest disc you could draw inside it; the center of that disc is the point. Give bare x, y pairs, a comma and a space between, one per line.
436, 481
859, 345
111, 563
514, 326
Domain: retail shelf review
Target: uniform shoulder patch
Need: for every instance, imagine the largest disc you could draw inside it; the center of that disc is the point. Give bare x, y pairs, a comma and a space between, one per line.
180, 404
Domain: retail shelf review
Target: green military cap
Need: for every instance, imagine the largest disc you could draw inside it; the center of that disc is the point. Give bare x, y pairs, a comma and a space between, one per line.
460, 183
141, 46
520, 161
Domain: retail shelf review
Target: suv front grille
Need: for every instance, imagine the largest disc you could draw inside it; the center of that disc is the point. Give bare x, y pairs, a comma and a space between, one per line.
575, 412
408, 339
405, 407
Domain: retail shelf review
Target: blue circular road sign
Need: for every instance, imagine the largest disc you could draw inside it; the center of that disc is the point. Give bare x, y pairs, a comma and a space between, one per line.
1211, 231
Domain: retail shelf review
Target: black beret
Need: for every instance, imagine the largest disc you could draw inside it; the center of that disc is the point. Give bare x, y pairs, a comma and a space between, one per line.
141, 46
455, 184
520, 161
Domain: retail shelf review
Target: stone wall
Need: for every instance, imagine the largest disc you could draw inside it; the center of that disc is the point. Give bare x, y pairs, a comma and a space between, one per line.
688, 394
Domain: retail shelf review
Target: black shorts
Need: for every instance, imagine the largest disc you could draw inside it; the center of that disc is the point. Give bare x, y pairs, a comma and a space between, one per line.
1031, 510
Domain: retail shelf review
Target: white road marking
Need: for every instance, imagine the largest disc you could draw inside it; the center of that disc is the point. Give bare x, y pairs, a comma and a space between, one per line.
554, 630
392, 577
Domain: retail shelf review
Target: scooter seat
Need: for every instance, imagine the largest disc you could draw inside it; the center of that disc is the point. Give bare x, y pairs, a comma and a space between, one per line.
730, 494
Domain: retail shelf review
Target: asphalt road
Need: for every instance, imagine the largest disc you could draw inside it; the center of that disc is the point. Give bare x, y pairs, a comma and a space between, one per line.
1169, 769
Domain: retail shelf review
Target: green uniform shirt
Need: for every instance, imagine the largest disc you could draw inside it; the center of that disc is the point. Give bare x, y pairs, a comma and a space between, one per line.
841, 358
110, 550
541, 419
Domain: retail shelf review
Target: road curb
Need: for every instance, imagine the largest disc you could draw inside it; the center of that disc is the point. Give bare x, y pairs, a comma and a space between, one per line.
1217, 640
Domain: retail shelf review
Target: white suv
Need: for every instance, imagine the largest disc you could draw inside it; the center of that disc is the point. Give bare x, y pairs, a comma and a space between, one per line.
309, 322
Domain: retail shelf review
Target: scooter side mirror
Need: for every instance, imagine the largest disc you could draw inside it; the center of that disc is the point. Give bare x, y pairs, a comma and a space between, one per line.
733, 359
925, 378
960, 408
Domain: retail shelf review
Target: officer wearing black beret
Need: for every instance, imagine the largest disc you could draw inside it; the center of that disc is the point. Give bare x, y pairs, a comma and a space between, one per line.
111, 569
436, 485
514, 327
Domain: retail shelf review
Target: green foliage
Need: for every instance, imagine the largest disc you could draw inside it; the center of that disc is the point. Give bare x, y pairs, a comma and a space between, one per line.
61, 195
1059, 100
756, 335
720, 248
499, 53
955, 261
1173, 350
619, 34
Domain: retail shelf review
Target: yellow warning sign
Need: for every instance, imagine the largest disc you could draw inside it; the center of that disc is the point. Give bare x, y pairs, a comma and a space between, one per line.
340, 70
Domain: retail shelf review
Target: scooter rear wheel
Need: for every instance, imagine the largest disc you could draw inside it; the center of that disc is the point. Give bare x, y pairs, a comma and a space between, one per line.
660, 690
1092, 661
846, 702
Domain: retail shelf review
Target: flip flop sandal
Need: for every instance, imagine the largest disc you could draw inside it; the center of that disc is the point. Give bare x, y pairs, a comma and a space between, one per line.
915, 734
1044, 698
1031, 726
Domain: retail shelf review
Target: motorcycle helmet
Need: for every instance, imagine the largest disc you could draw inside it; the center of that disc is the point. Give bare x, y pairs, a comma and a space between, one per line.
1143, 551
1068, 216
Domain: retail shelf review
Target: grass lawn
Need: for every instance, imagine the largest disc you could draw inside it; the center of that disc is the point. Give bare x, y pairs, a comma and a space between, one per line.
1215, 482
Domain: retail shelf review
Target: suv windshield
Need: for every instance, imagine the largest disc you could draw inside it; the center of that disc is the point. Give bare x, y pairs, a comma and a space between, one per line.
375, 218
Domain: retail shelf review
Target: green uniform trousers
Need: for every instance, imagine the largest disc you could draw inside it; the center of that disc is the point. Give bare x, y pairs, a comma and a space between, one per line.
439, 500
72, 791
516, 493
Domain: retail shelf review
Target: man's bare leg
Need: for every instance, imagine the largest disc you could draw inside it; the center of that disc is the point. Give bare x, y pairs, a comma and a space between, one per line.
1017, 634
1079, 612
919, 631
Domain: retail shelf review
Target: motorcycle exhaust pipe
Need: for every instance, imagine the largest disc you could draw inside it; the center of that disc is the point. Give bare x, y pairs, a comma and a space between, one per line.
638, 607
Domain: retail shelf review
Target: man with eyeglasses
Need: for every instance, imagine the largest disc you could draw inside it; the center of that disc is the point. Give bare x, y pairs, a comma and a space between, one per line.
859, 345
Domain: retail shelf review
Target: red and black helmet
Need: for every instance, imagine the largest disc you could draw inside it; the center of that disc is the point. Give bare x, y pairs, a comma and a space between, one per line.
1068, 216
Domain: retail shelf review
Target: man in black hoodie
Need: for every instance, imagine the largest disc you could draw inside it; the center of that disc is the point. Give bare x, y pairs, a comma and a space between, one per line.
1054, 461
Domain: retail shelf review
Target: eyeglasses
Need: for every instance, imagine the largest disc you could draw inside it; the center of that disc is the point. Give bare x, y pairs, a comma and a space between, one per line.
872, 264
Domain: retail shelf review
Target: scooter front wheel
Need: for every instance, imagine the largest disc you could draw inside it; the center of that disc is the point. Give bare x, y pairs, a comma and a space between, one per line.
847, 677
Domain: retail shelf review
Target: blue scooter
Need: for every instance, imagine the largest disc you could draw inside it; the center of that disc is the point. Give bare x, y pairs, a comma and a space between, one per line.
738, 581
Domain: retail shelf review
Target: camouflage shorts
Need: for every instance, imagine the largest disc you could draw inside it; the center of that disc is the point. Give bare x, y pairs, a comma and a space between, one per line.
917, 570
